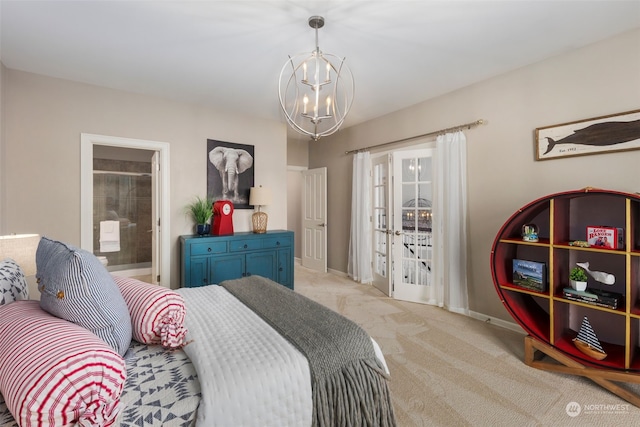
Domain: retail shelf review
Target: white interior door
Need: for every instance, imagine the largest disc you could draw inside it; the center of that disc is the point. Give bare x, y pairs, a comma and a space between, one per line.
382, 234
314, 219
155, 231
412, 214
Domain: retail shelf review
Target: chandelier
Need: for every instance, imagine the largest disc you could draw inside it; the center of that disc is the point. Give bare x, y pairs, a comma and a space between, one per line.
316, 90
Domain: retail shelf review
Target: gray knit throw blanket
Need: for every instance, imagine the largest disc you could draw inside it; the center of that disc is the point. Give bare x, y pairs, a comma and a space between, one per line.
349, 386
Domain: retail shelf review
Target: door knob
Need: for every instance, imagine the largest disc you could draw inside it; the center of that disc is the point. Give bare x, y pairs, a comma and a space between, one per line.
397, 233
322, 225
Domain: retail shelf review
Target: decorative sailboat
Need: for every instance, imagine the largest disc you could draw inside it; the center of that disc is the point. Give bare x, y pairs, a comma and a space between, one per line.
587, 341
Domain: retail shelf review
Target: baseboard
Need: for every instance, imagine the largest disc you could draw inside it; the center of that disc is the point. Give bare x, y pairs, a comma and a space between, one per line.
337, 273
498, 322
298, 261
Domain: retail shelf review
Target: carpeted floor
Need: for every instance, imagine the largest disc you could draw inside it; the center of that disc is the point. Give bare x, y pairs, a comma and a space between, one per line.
452, 370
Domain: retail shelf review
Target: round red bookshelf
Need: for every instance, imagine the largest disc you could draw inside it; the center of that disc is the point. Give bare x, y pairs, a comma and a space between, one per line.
539, 303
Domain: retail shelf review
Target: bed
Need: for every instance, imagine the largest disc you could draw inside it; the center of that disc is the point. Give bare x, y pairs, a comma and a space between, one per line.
240, 365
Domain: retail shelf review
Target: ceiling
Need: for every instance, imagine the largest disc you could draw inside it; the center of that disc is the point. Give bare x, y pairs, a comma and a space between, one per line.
228, 54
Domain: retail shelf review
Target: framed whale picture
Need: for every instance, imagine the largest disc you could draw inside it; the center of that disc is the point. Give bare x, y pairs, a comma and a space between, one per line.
616, 132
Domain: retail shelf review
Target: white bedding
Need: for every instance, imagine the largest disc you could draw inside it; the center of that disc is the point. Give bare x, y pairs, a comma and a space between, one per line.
249, 374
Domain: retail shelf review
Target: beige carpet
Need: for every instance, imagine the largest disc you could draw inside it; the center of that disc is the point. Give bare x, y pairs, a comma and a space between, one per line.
452, 370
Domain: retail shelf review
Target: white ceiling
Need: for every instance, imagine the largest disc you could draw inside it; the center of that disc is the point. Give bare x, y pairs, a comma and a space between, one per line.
228, 54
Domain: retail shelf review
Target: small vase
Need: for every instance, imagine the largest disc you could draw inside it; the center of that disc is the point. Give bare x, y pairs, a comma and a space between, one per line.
578, 286
203, 229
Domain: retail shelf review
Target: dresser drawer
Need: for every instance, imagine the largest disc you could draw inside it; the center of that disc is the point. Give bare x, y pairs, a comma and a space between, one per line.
208, 248
244, 245
276, 242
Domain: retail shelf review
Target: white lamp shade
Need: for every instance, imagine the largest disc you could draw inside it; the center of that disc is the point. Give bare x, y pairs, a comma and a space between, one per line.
22, 249
259, 196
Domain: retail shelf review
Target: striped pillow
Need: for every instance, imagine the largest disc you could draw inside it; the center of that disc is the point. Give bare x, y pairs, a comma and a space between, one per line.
157, 313
75, 286
55, 373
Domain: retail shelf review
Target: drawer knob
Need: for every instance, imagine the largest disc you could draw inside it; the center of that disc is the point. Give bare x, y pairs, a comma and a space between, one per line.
245, 246
208, 249
277, 243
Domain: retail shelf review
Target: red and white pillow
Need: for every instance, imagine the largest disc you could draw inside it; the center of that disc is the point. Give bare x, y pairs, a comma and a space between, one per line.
157, 313
56, 373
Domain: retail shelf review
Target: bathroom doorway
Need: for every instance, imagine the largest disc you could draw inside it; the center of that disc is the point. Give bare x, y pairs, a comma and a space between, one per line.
122, 202
124, 199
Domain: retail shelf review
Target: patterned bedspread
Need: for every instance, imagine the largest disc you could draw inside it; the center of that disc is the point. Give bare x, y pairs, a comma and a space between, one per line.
162, 389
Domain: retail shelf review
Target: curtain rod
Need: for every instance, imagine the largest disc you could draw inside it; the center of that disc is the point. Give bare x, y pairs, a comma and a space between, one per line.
438, 132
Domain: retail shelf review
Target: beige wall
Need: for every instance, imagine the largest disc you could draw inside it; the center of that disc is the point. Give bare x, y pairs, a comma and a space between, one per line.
294, 206
298, 151
297, 161
503, 176
44, 117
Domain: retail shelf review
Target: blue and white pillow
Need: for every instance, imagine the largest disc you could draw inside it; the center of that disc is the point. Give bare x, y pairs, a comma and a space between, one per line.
75, 286
13, 285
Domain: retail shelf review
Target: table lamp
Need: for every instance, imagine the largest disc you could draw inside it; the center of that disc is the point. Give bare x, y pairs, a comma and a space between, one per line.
259, 196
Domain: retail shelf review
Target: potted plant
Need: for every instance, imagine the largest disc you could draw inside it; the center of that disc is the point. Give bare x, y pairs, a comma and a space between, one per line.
578, 279
201, 210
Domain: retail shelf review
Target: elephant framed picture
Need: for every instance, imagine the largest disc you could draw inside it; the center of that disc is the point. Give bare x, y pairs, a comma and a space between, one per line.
230, 172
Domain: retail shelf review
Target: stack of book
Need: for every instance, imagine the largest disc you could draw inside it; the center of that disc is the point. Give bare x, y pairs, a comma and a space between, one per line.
595, 297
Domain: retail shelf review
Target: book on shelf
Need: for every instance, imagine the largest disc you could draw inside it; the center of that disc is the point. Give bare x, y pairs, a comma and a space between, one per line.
605, 237
530, 274
594, 296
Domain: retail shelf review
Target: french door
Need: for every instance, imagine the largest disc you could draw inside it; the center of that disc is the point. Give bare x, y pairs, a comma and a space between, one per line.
402, 199
412, 225
382, 233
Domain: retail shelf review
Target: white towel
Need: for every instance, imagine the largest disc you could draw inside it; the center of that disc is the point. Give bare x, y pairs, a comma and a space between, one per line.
109, 236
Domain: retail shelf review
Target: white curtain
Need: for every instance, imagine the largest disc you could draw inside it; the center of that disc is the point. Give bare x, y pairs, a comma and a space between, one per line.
450, 223
359, 268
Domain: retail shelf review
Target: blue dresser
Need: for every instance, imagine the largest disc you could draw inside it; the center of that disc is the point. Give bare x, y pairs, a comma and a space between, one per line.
213, 259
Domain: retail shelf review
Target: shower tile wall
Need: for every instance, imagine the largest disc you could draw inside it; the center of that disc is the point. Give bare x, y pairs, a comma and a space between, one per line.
127, 199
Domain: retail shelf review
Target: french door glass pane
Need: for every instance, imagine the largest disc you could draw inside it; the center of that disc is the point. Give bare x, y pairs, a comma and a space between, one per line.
424, 194
381, 265
408, 170
424, 169
417, 196
408, 271
379, 199
380, 219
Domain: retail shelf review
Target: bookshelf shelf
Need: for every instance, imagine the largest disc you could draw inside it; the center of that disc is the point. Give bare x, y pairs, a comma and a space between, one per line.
551, 319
